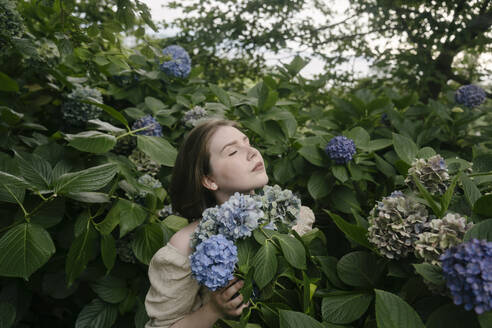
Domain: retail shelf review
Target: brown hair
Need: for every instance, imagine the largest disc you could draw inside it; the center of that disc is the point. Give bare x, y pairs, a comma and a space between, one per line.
188, 195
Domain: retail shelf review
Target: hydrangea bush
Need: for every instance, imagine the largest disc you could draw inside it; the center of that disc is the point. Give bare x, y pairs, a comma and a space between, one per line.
470, 95
77, 113
432, 173
180, 63
341, 149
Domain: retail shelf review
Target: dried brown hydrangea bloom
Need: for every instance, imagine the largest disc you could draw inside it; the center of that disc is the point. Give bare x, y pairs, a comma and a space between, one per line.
432, 173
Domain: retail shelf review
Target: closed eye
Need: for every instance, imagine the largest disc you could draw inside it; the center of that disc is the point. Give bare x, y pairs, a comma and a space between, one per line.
233, 153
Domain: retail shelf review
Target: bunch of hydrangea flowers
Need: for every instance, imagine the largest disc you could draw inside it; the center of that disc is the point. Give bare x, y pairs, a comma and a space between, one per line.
11, 24
395, 224
152, 127
279, 205
180, 63
431, 173
443, 234
77, 113
208, 226
239, 216
467, 269
340, 149
470, 95
194, 116
213, 262
144, 163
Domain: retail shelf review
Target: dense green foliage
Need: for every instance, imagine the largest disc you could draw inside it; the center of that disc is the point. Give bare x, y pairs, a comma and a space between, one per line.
84, 206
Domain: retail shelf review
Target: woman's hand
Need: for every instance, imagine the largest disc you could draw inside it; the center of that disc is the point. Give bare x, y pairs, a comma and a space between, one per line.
224, 304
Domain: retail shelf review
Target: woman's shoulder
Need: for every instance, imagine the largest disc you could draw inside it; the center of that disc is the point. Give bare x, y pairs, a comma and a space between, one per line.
181, 239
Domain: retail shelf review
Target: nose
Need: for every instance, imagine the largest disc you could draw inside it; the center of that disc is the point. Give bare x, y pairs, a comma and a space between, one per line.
252, 153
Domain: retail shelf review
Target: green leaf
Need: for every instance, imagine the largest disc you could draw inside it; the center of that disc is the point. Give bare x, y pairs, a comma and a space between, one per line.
293, 251
377, 144
175, 223
111, 111
108, 251
97, 314
430, 272
11, 181
483, 206
221, 94
10, 116
50, 214
328, 265
405, 148
318, 186
91, 141
7, 84
296, 65
472, 193
35, 169
89, 197
427, 196
292, 319
265, 264
485, 319
426, 152
312, 154
360, 269
90, 179
360, 136
482, 163
245, 253
131, 217
450, 315
24, 249
393, 312
148, 240
341, 307
352, 231
154, 104
383, 166
105, 126
158, 149
110, 289
112, 219
7, 315
482, 231
448, 195
340, 172
80, 252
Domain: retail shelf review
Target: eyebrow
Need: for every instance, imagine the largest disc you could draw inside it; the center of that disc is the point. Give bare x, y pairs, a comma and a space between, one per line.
232, 143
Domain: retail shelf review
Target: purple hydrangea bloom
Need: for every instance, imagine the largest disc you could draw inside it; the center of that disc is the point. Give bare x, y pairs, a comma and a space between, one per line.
154, 129
340, 149
180, 63
470, 95
467, 269
239, 215
213, 262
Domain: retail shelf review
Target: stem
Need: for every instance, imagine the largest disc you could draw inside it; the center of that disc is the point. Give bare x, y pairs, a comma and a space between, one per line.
133, 131
480, 174
46, 200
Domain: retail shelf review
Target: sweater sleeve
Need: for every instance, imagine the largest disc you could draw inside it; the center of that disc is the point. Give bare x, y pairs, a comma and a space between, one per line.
173, 292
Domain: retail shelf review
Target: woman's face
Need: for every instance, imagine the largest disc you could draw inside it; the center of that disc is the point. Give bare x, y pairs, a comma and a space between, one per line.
235, 165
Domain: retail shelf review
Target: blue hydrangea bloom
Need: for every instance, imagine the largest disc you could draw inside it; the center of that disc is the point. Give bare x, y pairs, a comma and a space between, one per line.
213, 262
396, 193
154, 128
467, 269
239, 215
180, 63
340, 149
470, 95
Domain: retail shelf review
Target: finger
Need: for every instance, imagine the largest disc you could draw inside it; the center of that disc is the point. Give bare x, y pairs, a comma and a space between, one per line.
239, 310
236, 301
231, 282
233, 289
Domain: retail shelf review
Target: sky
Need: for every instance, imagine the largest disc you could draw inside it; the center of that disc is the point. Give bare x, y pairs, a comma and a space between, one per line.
358, 66
314, 67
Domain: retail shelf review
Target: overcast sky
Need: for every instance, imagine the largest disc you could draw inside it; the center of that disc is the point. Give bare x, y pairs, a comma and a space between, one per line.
314, 67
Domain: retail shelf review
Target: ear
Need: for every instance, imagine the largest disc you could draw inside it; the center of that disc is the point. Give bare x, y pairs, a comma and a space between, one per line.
209, 183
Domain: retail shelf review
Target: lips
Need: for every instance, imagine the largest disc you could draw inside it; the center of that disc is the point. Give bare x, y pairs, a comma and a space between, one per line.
258, 167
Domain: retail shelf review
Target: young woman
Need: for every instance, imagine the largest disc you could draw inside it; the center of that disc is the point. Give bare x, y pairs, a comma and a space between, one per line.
215, 161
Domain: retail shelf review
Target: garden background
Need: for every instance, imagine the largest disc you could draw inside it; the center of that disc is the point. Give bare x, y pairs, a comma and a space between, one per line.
83, 179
